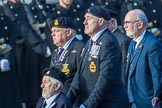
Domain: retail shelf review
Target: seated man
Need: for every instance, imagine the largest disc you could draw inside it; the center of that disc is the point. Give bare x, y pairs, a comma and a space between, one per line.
52, 83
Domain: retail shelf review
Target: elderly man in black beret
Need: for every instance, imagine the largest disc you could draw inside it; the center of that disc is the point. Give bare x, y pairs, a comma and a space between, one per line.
67, 56
97, 83
52, 83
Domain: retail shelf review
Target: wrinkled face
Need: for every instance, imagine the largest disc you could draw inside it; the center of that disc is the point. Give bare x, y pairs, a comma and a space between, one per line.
47, 87
59, 36
131, 25
91, 24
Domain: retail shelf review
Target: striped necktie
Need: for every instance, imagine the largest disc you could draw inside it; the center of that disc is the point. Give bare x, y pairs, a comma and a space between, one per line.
59, 54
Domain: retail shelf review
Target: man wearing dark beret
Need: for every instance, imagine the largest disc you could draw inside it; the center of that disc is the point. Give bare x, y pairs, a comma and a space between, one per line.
67, 56
97, 83
52, 83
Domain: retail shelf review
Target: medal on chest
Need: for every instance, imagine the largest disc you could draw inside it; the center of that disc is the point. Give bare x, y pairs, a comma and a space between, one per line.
95, 50
65, 68
92, 67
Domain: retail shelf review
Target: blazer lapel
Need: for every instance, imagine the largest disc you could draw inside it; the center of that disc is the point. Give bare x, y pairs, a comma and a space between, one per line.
84, 60
128, 60
137, 53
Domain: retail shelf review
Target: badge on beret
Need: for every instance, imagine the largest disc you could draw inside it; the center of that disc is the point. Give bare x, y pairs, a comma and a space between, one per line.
92, 67
65, 69
48, 73
56, 23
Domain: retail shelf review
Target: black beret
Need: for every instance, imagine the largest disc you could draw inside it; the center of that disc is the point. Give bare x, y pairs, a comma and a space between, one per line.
55, 73
99, 11
113, 13
63, 22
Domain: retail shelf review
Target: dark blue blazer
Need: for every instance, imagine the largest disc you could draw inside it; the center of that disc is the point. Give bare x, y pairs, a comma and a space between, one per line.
101, 86
60, 102
144, 70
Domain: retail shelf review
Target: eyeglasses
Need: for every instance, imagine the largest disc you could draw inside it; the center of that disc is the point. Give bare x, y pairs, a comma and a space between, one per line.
130, 22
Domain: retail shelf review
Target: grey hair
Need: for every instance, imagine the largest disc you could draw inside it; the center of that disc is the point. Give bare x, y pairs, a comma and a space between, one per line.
56, 81
142, 16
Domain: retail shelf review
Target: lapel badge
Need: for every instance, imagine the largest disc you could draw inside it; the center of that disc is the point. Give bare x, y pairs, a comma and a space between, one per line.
74, 51
82, 52
127, 57
65, 69
140, 46
92, 67
100, 43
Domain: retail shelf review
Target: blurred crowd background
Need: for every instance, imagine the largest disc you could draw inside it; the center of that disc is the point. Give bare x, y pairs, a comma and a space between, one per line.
25, 37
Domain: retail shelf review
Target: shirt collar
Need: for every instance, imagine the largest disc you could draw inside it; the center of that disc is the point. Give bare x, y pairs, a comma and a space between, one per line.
98, 35
50, 100
139, 39
114, 30
68, 43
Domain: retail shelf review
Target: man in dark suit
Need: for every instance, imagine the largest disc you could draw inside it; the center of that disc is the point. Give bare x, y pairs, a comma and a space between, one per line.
97, 83
64, 37
143, 69
52, 83
123, 40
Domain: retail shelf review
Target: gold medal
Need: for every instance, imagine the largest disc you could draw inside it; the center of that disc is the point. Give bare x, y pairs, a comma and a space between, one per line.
65, 69
92, 66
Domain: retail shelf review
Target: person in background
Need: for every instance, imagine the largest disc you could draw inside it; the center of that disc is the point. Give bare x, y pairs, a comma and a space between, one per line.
97, 83
10, 93
67, 56
68, 8
143, 69
123, 40
52, 83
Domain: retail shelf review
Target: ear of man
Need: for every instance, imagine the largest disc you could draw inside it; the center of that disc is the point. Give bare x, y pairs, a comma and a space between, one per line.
57, 86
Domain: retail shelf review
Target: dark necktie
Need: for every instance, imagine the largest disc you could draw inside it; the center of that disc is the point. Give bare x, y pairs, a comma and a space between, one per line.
133, 48
59, 54
44, 104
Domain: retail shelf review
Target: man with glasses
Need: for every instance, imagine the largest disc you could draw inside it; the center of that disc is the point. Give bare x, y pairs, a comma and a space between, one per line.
143, 69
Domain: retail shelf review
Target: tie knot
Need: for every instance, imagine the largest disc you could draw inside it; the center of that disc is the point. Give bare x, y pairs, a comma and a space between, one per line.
134, 44
60, 50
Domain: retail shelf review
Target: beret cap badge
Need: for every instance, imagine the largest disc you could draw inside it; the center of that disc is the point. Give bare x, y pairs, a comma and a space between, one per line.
56, 22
